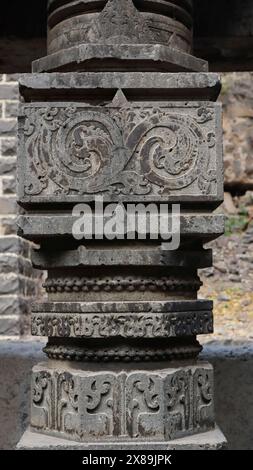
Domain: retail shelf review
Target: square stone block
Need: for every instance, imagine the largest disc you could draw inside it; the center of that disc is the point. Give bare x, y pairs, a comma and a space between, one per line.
122, 403
151, 152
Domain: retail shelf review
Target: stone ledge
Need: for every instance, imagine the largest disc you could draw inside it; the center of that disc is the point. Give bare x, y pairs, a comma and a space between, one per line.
37, 227
196, 85
101, 57
211, 440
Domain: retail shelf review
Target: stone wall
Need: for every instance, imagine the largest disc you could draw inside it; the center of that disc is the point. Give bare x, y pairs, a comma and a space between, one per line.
18, 281
237, 98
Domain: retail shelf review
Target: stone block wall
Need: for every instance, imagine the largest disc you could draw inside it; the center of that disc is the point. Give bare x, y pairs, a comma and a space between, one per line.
237, 98
18, 281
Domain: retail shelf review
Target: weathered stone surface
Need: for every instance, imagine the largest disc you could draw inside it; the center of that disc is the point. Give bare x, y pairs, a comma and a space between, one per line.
17, 359
35, 227
8, 166
155, 256
137, 287
10, 262
8, 127
12, 282
129, 325
10, 325
122, 307
15, 245
233, 363
237, 98
14, 305
8, 205
90, 86
123, 351
9, 91
105, 138
9, 185
8, 147
120, 21
11, 109
120, 35
210, 440
15, 325
122, 57
172, 153
8, 225
118, 403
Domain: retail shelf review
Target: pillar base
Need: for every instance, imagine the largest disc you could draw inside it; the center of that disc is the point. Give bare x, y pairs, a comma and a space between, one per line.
211, 440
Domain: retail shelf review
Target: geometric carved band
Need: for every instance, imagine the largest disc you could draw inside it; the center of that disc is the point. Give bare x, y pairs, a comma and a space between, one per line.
86, 405
123, 325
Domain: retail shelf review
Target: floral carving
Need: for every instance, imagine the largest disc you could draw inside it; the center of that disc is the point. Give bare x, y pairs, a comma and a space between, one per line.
129, 151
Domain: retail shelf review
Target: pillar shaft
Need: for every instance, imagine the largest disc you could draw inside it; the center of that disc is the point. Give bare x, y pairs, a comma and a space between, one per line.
130, 119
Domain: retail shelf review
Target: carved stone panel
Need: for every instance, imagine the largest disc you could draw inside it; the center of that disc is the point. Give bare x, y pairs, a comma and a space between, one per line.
165, 404
122, 325
71, 152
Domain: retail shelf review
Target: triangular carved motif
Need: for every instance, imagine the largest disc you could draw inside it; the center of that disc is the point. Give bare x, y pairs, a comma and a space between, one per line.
120, 22
119, 100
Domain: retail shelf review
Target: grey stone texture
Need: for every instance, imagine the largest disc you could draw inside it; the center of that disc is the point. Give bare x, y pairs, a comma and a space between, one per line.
39, 227
150, 164
232, 363
226, 44
155, 255
88, 85
129, 403
210, 440
237, 99
122, 320
18, 280
125, 332
128, 146
18, 286
120, 36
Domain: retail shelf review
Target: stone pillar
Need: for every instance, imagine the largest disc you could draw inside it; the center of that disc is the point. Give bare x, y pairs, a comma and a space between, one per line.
131, 116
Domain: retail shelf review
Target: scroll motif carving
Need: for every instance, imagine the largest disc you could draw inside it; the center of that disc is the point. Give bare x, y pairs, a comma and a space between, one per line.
178, 393
129, 151
143, 404
67, 403
203, 393
42, 401
97, 405
120, 325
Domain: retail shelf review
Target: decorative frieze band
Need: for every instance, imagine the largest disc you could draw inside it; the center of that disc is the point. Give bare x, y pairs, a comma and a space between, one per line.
149, 350
129, 325
119, 284
72, 152
166, 404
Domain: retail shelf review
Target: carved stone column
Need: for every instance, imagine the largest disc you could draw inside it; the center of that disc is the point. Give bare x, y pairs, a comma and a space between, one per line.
128, 114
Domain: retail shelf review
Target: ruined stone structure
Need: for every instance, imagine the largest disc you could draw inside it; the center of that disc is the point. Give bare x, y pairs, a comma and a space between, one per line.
127, 113
19, 283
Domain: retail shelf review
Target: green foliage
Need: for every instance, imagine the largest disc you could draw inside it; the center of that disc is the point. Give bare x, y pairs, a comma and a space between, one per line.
237, 223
